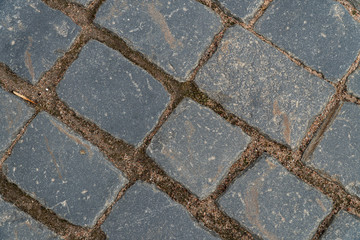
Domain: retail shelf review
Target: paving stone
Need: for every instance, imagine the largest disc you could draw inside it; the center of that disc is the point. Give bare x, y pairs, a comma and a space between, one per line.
263, 87
120, 97
354, 83
275, 204
157, 217
197, 147
321, 33
246, 10
63, 171
15, 224
345, 227
355, 3
338, 152
13, 115
25, 28
171, 33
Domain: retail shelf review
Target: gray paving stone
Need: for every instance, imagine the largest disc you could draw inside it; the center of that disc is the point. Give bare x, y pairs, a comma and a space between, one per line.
197, 147
15, 224
245, 10
147, 213
344, 227
263, 87
320, 33
120, 97
275, 204
13, 115
354, 83
172, 33
64, 172
25, 28
356, 4
338, 152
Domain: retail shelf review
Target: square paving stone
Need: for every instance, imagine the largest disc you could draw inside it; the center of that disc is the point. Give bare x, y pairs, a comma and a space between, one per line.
338, 153
13, 115
25, 28
120, 97
275, 204
197, 147
64, 172
345, 227
246, 9
147, 213
171, 33
353, 84
15, 224
262, 86
320, 33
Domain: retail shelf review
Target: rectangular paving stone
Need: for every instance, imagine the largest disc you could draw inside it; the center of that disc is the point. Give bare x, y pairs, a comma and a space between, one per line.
338, 152
245, 10
320, 33
118, 96
345, 227
171, 33
25, 28
13, 115
197, 147
275, 204
147, 213
64, 172
15, 224
263, 87
353, 84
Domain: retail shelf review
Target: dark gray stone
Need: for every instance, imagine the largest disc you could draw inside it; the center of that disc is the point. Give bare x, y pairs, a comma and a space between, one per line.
338, 152
355, 3
354, 83
25, 28
63, 171
197, 147
245, 10
262, 86
320, 33
15, 224
147, 213
13, 115
171, 33
120, 97
345, 227
275, 204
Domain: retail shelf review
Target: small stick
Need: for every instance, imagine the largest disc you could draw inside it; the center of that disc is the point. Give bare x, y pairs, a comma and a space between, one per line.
23, 97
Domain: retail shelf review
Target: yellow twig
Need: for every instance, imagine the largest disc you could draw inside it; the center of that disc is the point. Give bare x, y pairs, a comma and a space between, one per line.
23, 97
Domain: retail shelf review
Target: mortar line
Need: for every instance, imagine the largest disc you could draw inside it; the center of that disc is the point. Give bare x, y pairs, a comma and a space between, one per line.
354, 66
351, 9
351, 98
108, 210
259, 12
52, 77
325, 223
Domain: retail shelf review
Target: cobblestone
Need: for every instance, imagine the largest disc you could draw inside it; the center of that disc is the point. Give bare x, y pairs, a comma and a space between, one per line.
275, 204
161, 29
254, 80
13, 115
25, 28
345, 226
156, 218
14, 224
194, 119
197, 147
107, 88
322, 34
338, 152
63, 171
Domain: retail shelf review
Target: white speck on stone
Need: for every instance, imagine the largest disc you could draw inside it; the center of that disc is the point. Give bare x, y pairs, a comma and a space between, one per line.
12, 43
84, 191
323, 35
62, 29
211, 158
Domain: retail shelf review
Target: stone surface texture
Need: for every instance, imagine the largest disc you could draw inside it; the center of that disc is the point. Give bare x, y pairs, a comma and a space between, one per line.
172, 33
